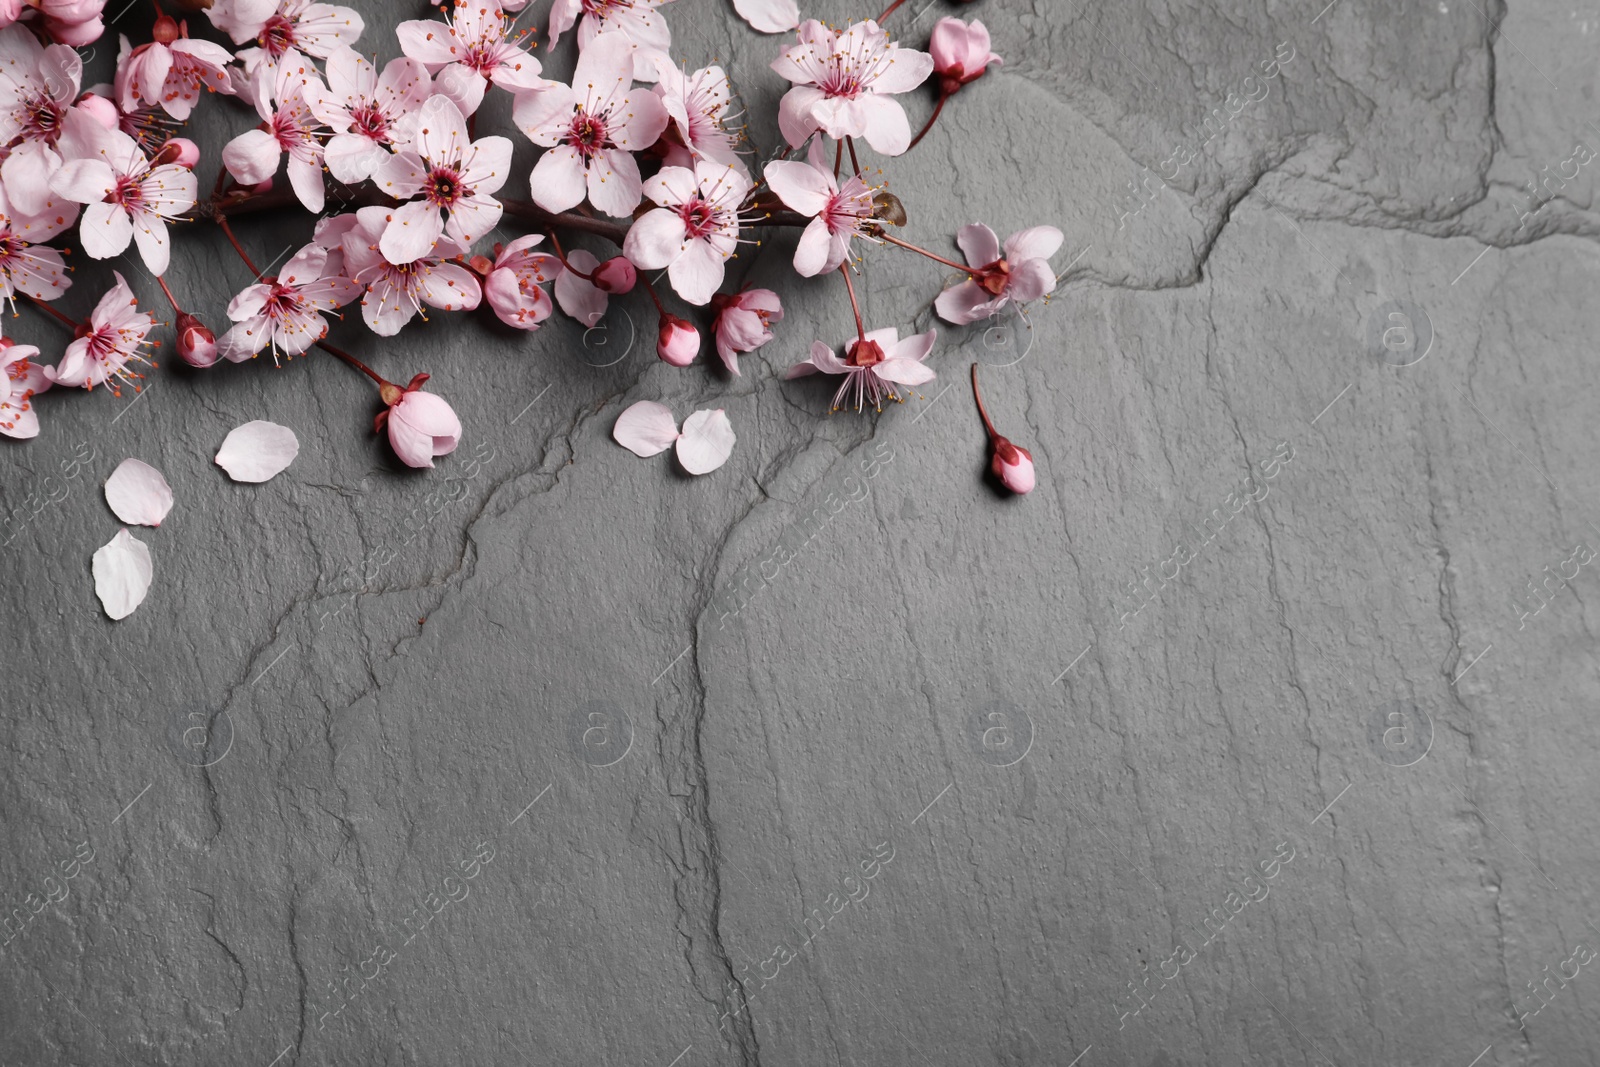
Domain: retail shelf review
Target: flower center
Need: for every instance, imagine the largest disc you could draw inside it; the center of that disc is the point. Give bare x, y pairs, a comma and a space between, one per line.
995, 277
277, 36
605, 8
443, 187
43, 120
370, 122
127, 192
587, 133
865, 353
699, 217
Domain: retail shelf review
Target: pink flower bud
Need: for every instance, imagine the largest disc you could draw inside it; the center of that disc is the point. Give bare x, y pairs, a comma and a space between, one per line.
677, 342
1013, 466
196, 343
100, 109
421, 425
179, 150
615, 275
960, 53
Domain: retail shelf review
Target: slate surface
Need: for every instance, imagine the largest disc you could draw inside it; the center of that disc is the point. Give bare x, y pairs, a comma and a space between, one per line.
837, 756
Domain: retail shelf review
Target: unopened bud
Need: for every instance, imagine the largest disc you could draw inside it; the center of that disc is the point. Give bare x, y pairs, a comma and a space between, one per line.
1013, 465
677, 342
179, 150
100, 109
616, 275
196, 343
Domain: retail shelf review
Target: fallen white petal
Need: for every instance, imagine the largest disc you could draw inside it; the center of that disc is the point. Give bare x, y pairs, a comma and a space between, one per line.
706, 442
122, 574
769, 16
646, 428
138, 493
257, 450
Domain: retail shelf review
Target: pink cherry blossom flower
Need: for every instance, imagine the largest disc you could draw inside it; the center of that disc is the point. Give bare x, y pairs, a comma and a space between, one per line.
514, 284
695, 229
27, 266
396, 293
769, 16
283, 94
837, 214
698, 107
960, 53
872, 366
744, 323
37, 87
369, 112
1021, 273
579, 297
280, 27
77, 23
639, 21
475, 49
21, 379
454, 175
285, 312
592, 133
421, 425
170, 71
842, 84
111, 340
127, 199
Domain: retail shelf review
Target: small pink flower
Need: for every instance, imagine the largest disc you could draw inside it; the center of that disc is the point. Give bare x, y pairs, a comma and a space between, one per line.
592, 132
744, 323
842, 84
38, 85
514, 285
1021, 273
638, 21
21, 379
837, 214
285, 311
170, 71
698, 106
475, 49
452, 173
695, 229
112, 339
369, 112
127, 199
197, 345
872, 366
396, 293
1010, 463
421, 425
280, 27
677, 341
960, 53
283, 94
27, 266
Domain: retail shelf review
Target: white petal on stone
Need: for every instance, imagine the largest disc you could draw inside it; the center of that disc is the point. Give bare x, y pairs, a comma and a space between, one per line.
138, 493
706, 442
257, 450
646, 428
769, 16
122, 574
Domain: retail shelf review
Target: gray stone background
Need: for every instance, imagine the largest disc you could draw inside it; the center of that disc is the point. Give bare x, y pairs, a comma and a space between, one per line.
658, 800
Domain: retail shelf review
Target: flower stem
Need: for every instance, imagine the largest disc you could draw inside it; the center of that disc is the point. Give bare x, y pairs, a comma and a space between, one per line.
170, 298
42, 306
983, 412
943, 96
889, 10
850, 142
652, 291
861, 330
924, 252
354, 362
222, 220
555, 243
838, 159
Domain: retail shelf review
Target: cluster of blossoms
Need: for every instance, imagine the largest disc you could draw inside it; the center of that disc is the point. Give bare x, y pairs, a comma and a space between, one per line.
636, 149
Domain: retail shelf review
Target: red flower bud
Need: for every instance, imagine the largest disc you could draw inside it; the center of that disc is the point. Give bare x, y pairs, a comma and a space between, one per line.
165, 30
1009, 463
196, 343
960, 53
677, 342
615, 275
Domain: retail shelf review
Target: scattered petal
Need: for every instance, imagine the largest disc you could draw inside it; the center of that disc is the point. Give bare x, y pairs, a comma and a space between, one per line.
769, 16
706, 442
122, 574
646, 428
138, 493
257, 450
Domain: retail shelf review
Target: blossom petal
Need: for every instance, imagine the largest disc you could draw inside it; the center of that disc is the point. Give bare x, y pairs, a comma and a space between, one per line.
706, 442
657, 239
887, 128
966, 303
579, 298
903, 71
252, 157
1031, 279
257, 451
105, 230
769, 16
979, 244
138, 494
697, 273
904, 371
413, 230
646, 428
800, 186
614, 185
557, 181
1036, 242
818, 252
122, 574
795, 119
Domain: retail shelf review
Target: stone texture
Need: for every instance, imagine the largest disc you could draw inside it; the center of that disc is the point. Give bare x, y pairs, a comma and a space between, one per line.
657, 731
